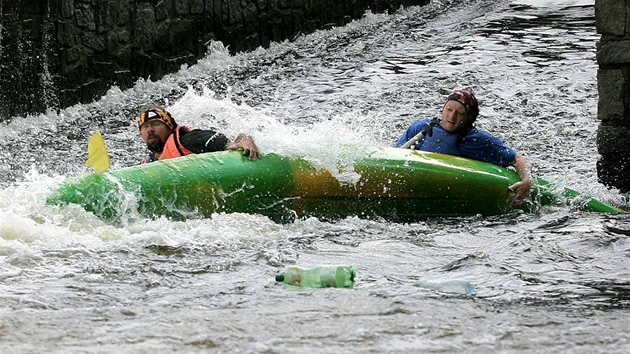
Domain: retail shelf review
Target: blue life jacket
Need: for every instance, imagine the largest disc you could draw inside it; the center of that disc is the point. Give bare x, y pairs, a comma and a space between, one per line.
441, 141
477, 144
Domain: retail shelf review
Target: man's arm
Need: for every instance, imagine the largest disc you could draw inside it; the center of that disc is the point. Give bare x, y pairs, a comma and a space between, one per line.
200, 141
245, 143
522, 188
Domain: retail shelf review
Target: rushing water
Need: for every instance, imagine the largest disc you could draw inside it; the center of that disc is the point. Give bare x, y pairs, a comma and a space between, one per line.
555, 281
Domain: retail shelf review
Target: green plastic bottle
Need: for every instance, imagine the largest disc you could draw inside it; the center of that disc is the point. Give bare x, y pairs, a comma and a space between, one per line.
335, 276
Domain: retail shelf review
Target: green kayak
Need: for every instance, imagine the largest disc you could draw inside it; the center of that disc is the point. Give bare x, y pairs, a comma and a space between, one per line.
394, 184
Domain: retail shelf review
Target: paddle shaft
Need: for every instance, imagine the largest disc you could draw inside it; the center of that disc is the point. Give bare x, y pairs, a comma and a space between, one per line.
428, 130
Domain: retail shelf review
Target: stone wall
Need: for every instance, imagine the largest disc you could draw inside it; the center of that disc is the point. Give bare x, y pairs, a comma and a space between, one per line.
613, 83
56, 53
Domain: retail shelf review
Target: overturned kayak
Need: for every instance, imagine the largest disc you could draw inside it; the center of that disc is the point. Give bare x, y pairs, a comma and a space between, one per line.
394, 184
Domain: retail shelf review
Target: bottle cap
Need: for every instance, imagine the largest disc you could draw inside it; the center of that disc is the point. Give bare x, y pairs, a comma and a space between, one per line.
279, 277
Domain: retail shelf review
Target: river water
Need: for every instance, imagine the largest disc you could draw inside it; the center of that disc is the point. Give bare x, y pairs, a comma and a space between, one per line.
551, 282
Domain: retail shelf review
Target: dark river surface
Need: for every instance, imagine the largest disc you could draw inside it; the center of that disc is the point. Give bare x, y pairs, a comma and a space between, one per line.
555, 281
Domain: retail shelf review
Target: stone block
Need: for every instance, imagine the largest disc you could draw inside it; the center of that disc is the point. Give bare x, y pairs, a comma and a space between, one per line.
94, 41
610, 84
103, 69
196, 6
123, 12
144, 29
614, 171
174, 37
613, 140
613, 52
32, 8
182, 7
163, 9
289, 4
31, 29
84, 17
93, 88
142, 64
68, 97
123, 58
65, 33
610, 17
75, 73
105, 16
67, 8
72, 55
123, 78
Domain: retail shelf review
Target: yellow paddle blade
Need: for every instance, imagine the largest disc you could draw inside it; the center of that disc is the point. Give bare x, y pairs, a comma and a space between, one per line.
97, 153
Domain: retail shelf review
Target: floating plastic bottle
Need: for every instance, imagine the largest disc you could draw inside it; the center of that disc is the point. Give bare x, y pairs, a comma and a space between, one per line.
336, 276
459, 287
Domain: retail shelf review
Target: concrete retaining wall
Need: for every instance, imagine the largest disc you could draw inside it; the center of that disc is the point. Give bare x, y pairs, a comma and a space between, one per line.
613, 83
56, 53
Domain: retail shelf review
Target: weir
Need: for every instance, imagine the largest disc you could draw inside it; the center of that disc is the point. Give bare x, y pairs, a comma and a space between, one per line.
57, 53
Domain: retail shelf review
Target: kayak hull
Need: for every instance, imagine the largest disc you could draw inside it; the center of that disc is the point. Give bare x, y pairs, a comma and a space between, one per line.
394, 184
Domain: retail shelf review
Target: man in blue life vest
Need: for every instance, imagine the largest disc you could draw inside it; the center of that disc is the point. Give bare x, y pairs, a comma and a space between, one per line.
455, 135
165, 139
